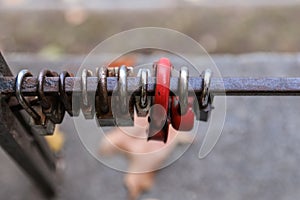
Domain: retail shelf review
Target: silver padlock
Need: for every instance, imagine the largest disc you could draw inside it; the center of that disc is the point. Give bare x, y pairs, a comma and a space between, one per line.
37, 121
143, 101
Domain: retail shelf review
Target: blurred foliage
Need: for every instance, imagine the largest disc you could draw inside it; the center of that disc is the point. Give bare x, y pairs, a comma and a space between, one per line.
219, 29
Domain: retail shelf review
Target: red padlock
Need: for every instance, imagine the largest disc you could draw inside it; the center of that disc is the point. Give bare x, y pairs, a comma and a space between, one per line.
159, 121
183, 122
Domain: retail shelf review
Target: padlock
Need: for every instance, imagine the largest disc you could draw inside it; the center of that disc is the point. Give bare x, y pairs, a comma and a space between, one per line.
143, 101
158, 120
123, 103
103, 100
52, 106
183, 122
204, 107
117, 109
39, 123
88, 101
71, 103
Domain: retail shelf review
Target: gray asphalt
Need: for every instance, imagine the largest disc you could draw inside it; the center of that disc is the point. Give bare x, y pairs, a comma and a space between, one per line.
257, 156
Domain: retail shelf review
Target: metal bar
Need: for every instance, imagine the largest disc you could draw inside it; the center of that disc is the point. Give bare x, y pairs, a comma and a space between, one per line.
4, 69
268, 86
26, 148
23, 149
231, 86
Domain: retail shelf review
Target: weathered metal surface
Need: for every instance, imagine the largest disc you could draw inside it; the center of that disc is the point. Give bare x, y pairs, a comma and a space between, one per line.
232, 86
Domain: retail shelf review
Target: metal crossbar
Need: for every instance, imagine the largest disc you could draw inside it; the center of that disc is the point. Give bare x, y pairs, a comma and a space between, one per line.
232, 86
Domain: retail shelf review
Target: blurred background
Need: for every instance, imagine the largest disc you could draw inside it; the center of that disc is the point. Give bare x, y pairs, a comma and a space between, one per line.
76, 26
257, 156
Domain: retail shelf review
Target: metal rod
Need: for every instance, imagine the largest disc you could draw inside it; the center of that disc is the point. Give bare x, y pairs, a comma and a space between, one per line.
25, 150
231, 86
268, 86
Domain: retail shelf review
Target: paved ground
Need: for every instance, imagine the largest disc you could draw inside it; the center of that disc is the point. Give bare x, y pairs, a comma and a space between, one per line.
257, 156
